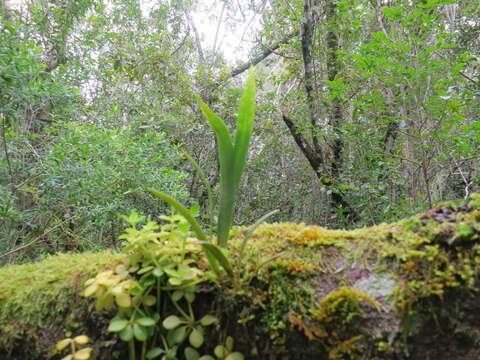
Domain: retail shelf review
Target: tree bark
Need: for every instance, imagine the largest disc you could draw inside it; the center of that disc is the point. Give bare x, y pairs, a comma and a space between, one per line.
326, 161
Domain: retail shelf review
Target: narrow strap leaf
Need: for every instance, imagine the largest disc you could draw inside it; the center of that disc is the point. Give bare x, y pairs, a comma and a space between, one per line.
219, 256
227, 180
211, 256
182, 210
243, 133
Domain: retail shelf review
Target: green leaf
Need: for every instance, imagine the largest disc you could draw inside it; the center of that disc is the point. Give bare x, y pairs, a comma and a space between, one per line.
123, 300
191, 354
235, 356
140, 332
172, 353
144, 270
207, 357
149, 300
146, 321
179, 334
155, 352
220, 351
158, 272
190, 297
182, 210
117, 325
175, 281
177, 295
226, 158
171, 322
232, 156
208, 320
127, 333
196, 338
218, 255
229, 343
243, 133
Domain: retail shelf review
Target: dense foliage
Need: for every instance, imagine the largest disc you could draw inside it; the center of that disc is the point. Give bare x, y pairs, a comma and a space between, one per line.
366, 111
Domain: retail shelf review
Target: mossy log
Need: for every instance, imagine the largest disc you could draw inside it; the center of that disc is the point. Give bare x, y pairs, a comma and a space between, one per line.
406, 290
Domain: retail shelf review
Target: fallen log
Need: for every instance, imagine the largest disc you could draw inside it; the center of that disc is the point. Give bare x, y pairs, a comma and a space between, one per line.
406, 290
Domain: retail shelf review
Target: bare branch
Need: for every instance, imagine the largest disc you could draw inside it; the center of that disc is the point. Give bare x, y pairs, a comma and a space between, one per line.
265, 53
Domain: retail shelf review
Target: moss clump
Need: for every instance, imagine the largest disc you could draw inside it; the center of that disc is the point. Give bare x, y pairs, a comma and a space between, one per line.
338, 316
39, 296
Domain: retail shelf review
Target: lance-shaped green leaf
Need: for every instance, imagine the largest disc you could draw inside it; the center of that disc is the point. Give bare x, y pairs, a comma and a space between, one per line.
232, 157
243, 133
226, 158
219, 256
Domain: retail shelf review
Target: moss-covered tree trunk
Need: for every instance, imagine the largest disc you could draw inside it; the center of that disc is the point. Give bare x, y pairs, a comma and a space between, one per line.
406, 290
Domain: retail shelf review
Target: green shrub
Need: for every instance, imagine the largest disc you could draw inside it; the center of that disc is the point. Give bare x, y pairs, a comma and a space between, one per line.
88, 177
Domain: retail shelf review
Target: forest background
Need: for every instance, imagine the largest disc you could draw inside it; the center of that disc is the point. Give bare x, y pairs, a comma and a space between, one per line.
367, 111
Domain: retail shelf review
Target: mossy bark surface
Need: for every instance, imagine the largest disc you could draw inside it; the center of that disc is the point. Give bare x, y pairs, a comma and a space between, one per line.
406, 290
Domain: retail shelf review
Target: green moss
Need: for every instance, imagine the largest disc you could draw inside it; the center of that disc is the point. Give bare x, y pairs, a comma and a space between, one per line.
39, 295
338, 316
299, 279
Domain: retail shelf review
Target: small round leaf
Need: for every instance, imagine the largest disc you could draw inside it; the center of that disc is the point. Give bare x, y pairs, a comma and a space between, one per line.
208, 320
158, 272
171, 322
127, 333
149, 300
117, 325
175, 281
81, 339
229, 343
196, 338
145, 321
123, 300
235, 356
140, 332
220, 351
177, 295
179, 334
155, 352
190, 297
83, 354
191, 354
89, 291
63, 344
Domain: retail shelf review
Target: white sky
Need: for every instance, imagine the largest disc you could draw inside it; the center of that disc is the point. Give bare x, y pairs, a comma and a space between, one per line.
236, 32
233, 41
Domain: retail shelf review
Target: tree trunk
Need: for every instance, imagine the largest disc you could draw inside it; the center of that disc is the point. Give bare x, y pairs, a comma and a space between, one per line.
325, 160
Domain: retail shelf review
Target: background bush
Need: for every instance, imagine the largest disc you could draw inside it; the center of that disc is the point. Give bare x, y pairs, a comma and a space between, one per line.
87, 178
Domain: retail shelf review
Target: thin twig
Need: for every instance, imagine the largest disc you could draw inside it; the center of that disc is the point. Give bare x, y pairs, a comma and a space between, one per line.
36, 240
